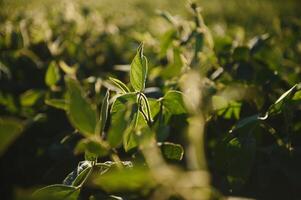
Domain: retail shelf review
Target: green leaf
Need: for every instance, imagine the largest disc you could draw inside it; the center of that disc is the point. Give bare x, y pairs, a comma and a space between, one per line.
172, 151
57, 103
174, 69
52, 74
103, 114
57, 192
93, 146
136, 179
120, 85
173, 102
130, 139
76, 177
81, 113
120, 114
154, 107
166, 41
30, 97
138, 71
280, 102
10, 129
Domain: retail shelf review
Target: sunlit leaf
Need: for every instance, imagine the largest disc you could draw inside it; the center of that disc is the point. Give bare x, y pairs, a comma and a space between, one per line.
103, 114
280, 102
52, 74
57, 192
81, 113
120, 85
173, 102
78, 175
138, 71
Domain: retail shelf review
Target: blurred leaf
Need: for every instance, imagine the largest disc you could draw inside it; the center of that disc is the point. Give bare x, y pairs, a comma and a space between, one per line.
172, 151
174, 69
10, 129
241, 54
136, 179
138, 71
57, 103
297, 96
93, 146
173, 102
120, 85
67, 69
57, 192
52, 74
80, 112
30, 97
166, 41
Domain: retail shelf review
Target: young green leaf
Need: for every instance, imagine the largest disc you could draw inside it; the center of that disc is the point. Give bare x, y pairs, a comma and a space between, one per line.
80, 112
10, 129
173, 102
52, 74
120, 85
138, 71
57, 192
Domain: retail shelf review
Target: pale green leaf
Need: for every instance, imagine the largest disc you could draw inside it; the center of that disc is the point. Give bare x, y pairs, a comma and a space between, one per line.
52, 74
138, 71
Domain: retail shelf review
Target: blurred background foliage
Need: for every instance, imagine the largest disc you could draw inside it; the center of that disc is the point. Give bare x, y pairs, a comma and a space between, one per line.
256, 58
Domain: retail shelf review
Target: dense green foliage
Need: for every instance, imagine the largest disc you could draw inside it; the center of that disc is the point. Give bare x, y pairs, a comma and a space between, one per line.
149, 107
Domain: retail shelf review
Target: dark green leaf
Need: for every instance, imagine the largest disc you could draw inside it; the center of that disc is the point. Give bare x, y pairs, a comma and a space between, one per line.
172, 151
10, 129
